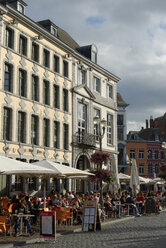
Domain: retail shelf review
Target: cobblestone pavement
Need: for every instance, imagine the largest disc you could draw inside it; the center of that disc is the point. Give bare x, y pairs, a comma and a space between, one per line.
142, 232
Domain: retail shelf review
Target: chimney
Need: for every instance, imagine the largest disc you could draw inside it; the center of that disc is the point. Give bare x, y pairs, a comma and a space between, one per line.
151, 122
146, 123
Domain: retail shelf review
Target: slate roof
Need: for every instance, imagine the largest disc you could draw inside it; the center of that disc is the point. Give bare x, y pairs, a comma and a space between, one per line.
120, 100
61, 34
11, 1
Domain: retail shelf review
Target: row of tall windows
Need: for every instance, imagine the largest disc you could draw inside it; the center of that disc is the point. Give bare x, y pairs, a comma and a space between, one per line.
97, 87
153, 168
156, 154
35, 52
35, 130
8, 86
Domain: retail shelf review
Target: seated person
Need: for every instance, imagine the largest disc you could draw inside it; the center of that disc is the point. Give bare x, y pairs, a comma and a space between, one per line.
18, 209
108, 206
141, 199
54, 202
130, 200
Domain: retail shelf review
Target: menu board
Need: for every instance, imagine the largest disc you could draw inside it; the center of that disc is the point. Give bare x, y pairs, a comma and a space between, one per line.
48, 224
89, 216
150, 206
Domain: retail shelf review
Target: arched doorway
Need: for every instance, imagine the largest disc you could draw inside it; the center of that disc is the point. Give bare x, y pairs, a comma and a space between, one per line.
82, 164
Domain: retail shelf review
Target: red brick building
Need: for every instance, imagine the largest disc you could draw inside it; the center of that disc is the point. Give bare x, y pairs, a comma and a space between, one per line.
146, 147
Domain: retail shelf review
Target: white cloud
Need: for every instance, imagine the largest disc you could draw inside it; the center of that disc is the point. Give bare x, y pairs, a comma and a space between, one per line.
131, 39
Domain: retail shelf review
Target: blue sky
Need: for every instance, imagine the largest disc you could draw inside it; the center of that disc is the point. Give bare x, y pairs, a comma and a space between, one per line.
131, 40
95, 20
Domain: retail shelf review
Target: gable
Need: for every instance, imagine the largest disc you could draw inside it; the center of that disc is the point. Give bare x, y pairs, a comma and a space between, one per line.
83, 90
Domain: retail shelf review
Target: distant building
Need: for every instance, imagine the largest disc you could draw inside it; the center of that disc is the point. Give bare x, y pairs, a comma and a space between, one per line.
122, 133
146, 147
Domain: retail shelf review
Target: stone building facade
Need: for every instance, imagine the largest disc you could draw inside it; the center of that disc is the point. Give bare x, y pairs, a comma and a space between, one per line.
50, 90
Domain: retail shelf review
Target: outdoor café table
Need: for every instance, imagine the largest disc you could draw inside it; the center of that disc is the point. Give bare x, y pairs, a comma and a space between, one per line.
119, 205
21, 216
128, 207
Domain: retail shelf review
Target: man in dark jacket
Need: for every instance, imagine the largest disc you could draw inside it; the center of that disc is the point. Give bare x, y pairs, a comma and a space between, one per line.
130, 201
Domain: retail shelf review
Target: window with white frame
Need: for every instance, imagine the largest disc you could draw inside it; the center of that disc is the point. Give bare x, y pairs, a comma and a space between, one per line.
96, 126
7, 123
141, 169
53, 31
56, 96
56, 63
9, 38
66, 136
56, 134
8, 77
156, 154
22, 83
34, 130
35, 88
96, 84
141, 154
46, 58
23, 45
81, 118
81, 76
46, 132
21, 8
21, 127
46, 92
132, 154
35, 52
150, 154
65, 69
65, 100
109, 91
109, 129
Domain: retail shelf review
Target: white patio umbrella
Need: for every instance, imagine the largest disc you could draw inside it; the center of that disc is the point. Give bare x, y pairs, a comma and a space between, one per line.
14, 167
144, 180
123, 177
46, 170
134, 180
62, 171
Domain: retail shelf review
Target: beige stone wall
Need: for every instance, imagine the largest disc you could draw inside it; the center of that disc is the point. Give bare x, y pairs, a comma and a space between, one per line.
16, 103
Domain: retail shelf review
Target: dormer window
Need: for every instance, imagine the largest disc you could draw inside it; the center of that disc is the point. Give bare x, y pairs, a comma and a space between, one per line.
21, 8
19, 5
94, 53
53, 31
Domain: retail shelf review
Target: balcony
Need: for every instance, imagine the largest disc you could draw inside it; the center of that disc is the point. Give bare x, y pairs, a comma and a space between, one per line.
84, 140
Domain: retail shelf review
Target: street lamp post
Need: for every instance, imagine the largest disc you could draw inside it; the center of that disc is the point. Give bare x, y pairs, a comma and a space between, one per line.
101, 126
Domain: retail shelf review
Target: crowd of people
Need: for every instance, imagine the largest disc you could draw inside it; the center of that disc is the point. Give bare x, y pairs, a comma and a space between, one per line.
113, 205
